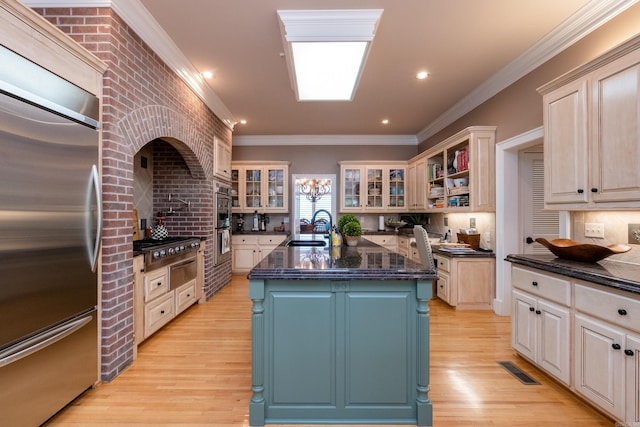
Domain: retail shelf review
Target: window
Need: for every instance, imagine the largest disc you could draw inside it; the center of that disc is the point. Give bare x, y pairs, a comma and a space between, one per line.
305, 208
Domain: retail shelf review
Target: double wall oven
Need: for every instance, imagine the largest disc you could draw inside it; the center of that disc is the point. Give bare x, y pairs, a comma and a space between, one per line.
222, 221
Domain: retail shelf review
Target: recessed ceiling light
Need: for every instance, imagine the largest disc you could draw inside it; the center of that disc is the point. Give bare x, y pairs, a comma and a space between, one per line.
385, 121
243, 122
207, 74
422, 75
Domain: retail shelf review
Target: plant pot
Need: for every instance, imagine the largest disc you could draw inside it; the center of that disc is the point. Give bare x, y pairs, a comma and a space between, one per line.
352, 240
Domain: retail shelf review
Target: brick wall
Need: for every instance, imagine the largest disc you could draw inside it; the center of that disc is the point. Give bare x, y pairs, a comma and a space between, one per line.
142, 100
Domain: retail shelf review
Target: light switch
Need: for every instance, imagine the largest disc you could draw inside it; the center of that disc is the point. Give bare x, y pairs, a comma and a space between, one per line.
594, 229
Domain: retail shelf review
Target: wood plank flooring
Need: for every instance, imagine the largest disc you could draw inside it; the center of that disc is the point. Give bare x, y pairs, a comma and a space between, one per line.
196, 371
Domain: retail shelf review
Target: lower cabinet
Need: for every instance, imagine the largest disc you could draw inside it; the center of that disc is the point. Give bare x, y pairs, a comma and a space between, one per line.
585, 335
541, 320
248, 250
607, 351
466, 282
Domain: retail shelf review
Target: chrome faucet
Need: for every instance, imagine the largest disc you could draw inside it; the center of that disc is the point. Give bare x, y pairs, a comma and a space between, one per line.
313, 221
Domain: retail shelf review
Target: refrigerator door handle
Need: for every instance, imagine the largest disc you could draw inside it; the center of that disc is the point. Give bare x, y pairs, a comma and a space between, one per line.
93, 245
37, 343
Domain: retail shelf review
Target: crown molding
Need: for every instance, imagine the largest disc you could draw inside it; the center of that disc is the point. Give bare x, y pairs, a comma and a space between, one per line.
324, 140
141, 21
591, 16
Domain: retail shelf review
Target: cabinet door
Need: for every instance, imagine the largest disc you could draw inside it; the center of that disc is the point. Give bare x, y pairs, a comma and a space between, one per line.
565, 148
252, 188
236, 190
396, 199
222, 162
443, 291
276, 189
352, 181
553, 341
523, 324
615, 139
632, 365
243, 257
599, 364
375, 192
474, 282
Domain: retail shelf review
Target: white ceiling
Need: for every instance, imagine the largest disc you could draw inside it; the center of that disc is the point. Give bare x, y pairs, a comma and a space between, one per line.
471, 48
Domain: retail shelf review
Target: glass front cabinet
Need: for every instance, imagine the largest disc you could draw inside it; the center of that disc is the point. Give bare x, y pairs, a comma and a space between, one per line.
379, 187
259, 187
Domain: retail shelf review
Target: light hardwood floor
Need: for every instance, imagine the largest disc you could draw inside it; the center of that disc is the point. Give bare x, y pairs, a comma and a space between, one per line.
196, 371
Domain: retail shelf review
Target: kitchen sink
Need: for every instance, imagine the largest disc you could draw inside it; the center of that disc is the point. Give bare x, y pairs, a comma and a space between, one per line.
306, 243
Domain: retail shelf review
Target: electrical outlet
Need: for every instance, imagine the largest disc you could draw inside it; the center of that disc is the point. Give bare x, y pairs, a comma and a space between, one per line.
285, 220
594, 229
446, 221
472, 222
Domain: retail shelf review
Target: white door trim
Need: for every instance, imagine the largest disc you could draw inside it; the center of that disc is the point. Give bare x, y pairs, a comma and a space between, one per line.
507, 213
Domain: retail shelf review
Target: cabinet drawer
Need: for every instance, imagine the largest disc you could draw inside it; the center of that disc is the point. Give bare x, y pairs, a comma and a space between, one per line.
387, 241
155, 284
606, 305
157, 313
443, 263
270, 240
244, 240
185, 296
549, 286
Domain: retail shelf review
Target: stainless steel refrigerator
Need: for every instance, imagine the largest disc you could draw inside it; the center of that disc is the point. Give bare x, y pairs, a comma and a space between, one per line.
50, 230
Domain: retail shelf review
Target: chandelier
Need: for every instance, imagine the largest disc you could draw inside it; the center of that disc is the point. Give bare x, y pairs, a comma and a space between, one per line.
314, 189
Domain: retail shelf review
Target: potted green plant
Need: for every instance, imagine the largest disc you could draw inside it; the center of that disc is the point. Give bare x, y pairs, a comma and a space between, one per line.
352, 231
344, 219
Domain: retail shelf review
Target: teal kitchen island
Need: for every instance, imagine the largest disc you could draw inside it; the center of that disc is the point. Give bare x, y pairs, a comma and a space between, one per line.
340, 336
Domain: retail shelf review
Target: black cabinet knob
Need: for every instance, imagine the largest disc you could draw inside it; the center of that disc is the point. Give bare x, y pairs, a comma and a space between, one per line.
622, 312
538, 312
628, 352
594, 190
580, 191
529, 240
616, 346
534, 283
161, 311
532, 309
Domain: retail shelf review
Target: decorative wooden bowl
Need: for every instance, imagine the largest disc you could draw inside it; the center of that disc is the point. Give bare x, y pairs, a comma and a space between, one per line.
577, 251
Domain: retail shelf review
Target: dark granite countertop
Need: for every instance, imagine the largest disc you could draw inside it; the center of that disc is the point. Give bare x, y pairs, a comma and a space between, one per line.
475, 254
367, 261
613, 274
260, 233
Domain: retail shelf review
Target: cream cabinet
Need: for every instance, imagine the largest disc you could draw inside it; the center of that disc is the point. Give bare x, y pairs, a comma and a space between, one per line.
466, 282
607, 351
388, 241
404, 245
540, 322
592, 133
379, 187
417, 184
261, 187
222, 160
249, 249
459, 173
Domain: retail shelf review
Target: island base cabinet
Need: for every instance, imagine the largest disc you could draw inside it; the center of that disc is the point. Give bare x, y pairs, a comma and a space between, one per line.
340, 352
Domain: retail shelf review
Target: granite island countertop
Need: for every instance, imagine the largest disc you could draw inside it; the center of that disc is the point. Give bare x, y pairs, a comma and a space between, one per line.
613, 274
366, 261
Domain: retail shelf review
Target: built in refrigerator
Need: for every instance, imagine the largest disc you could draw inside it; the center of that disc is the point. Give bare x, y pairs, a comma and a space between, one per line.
50, 230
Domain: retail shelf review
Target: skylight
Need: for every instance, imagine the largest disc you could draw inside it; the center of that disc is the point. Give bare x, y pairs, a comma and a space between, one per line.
326, 50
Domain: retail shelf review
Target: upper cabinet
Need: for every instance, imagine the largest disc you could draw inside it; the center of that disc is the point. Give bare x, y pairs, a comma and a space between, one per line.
222, 160
592, 133
260, 186
456, 175
367, 187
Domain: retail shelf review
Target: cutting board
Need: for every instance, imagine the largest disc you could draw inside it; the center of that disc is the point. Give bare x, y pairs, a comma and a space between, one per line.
136, 226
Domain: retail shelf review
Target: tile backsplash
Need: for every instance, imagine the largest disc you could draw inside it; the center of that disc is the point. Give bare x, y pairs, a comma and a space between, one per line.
616, 231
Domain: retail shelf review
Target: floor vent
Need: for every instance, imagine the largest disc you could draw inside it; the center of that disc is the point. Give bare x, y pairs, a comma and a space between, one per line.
518, 373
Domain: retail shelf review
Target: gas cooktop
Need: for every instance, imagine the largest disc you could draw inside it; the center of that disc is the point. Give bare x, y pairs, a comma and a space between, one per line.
140, 245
